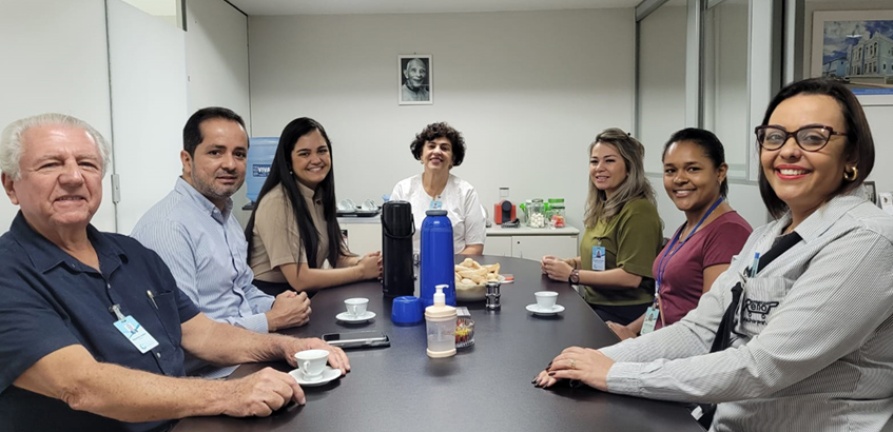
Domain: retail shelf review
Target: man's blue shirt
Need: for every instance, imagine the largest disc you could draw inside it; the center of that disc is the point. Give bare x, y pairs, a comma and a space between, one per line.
50, 300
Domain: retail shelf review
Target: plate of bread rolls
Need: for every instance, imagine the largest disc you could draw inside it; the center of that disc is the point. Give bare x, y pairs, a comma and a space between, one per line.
472, 277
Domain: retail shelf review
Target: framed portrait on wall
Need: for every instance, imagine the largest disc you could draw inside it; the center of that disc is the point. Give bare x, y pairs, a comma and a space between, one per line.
856, 48
870, 191
886, 202
414, 80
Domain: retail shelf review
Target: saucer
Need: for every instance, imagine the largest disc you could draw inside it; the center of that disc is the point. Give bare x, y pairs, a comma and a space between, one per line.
327, 375
346, 317
533, 308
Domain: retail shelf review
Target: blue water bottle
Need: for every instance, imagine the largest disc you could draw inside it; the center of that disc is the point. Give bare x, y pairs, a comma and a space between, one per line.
437, 257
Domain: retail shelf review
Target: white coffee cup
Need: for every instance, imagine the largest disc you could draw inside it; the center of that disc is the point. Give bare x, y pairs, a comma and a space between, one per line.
545, 300
356, 306
312, 362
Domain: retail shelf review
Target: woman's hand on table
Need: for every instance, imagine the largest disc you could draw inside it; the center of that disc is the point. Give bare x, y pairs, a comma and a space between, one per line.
586, 365
370, 265
556, 268
622, 331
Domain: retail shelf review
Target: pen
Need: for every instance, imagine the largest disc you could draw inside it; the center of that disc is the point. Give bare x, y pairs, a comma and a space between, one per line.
756, 263
152, 297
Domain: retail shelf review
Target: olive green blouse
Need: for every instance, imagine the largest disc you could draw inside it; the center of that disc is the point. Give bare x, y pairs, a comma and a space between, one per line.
632, 240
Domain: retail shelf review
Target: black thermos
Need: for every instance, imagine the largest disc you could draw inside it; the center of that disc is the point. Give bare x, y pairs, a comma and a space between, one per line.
397, 228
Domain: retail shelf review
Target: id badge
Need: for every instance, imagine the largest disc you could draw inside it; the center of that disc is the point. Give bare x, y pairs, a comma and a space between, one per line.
598, 258
136, 334
651, 316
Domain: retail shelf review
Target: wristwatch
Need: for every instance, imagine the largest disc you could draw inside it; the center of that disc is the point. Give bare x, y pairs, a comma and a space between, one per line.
574, 277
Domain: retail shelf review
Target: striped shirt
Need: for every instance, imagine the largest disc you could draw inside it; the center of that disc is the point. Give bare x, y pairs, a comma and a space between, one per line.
812, 346
205, 249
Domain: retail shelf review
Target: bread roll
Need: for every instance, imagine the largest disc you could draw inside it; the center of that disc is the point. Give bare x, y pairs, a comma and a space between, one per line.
469, 272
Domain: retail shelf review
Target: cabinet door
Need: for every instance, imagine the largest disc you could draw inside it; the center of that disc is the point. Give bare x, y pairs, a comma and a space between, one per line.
498, 245
362, 238
535, 247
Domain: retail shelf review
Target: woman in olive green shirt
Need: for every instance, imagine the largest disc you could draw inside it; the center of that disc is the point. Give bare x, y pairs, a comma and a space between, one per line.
622, 236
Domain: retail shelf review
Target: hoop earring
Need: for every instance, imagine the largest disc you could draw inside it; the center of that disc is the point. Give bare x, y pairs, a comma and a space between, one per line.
851, 175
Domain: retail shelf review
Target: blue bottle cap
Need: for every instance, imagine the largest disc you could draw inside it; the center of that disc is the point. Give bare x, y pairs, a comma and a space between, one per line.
406, 310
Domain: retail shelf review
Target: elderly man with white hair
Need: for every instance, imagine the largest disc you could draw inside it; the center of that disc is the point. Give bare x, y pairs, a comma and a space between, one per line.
93, 329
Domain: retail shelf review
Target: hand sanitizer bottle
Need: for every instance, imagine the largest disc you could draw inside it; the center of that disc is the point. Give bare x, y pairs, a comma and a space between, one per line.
440, 320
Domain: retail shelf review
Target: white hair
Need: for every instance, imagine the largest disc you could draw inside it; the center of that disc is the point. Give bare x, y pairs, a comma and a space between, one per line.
416, 59
11, 140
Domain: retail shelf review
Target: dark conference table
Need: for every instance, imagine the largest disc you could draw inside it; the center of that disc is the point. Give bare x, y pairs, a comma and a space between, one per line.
483, 388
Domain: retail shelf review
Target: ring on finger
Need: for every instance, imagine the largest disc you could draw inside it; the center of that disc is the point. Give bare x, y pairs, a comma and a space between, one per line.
573, 362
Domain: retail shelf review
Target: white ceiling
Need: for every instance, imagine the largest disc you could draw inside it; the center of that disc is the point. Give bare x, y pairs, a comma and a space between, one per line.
341, 7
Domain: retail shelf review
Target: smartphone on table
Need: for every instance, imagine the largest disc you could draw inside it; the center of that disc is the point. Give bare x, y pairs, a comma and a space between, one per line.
363, 339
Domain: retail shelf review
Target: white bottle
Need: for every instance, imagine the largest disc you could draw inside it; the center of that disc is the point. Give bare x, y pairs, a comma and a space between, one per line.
440, 321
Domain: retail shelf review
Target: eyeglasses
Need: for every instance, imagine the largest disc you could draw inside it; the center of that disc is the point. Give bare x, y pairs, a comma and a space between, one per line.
810, 138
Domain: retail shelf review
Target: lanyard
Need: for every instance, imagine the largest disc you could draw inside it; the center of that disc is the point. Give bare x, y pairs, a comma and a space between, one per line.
661, 266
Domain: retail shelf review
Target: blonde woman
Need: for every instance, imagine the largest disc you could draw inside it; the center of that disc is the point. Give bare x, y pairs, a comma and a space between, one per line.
622, 236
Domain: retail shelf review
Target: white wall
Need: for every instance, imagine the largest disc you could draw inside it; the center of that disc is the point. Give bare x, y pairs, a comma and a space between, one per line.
205, 66
60, 62
879, 117
661, 81
55, 60
725, 90
147, 63
662, 77
166, 10
528, 90
217, 57
217, 64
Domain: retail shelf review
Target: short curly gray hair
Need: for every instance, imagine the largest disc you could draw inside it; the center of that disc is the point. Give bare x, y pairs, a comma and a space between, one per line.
11, 140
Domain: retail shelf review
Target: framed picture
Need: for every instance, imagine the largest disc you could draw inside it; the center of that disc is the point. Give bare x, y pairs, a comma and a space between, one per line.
414, 80
886, 202
870, 192
856, 48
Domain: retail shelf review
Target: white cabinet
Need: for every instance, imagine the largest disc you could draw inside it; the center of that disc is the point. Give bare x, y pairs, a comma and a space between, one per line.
363, 234
532, 243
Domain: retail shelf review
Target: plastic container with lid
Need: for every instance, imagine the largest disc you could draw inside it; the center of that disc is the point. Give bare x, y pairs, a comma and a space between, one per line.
557, 215
552, 201
440, 321
536, 213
